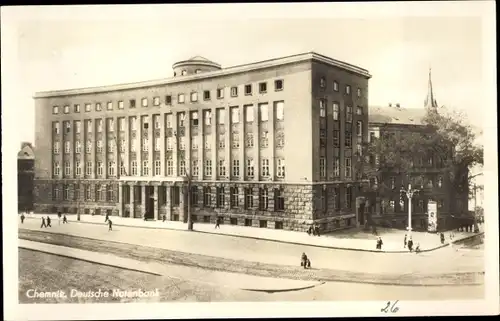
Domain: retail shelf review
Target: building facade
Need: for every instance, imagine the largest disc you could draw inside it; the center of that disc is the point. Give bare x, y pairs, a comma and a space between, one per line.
245, 138
386, 205
25, 177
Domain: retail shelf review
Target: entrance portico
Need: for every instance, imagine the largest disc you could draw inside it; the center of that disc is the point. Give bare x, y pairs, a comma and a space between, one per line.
152, 197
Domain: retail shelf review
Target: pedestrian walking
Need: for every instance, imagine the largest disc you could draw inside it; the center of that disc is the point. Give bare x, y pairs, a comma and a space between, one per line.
379, 243
404, 246
59, 218
310, 230
164, 218
442, 238
22, 218
316, 229
417, 249
48, 222
410, 245
107, 218
217, 222
65, 219
43, 222
110, 224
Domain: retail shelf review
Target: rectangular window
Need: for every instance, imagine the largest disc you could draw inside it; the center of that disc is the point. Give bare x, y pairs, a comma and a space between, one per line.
264, 139
348, 139
109, 105
206, 95
145, 168
180, 98
349, 114
263, 199
348, 169
134, 168
336, 109
248, 89
263, 87
221, 116
120, 104
336, 167
194, 118
88, 107
157, 144
78, 147
194, 97
265, 167
222, 168
359, 92
236, 140
234, 197
182, 143
111, 168
208, 141
168, 100
249, 117
348, 197
56, 128
359, 110
207, 196
279, 110
99, 125
182, 118
347, 89
67, 169
322, 82
249, 140
280, 168
157, 168
220, 197
195, 168
208, 117
56, 148
144, 102
170, 143
279, 200
222, 141
78, 168
182, 168
250, 168
336, 138
263, 112
111, 125
98, 107
194, 142
194, 196
156, 121
359, 128
55, 110
278, 85
88, 169
99, 146
322, 167
248, 198
168, 121
235, 115
78, 126
335, 86
170, 167
76, 108
100, 169
322, 108
220, 93
236, 167
156, 101
67, 126
234, 91
111, 147
208, 167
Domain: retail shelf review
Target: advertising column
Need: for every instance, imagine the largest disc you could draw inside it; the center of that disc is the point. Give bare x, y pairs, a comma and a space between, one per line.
432, 216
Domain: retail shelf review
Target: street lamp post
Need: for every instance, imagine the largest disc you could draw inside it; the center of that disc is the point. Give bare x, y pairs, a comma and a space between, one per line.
409, 194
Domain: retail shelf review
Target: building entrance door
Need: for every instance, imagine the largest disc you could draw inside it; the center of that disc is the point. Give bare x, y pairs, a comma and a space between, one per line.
149, 202
361, 213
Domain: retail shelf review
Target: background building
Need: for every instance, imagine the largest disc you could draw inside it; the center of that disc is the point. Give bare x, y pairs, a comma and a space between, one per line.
386, 206
25, 177
130, 149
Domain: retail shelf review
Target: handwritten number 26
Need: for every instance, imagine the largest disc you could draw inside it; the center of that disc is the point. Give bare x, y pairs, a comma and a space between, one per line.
390, 308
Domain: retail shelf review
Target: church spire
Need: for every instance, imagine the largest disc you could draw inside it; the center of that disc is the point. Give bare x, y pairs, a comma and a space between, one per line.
430, 101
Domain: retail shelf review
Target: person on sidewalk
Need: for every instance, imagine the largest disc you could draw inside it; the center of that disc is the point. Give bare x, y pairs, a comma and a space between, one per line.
164, 218
22, 218
304, 260
65, 219
43, 222
217, 222
442, 238
417, 249
316, 229
379, 243
110, 224
48, 221
410, 244
309, 230
107, 218
404, 246
59, 218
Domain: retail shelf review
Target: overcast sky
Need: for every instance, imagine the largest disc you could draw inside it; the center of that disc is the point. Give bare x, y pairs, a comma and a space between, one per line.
109, 45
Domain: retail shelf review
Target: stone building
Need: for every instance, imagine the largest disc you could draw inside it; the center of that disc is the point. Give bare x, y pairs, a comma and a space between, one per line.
386, 205
25, 177
246, 138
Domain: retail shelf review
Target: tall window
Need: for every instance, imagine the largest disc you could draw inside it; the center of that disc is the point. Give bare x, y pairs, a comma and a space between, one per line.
348, 169
208, 167
235, 115
336, 198
234, 197
335, 86
78, 168
99, 125
359, 128
221, 116
88, 168
348, 139
99, 146
263, 112
78, 126
264, 139
195, 168
236, 167
249, 117
279, 110
76, 192
76, 108
78, 147
134, 168
279, 200
347, 89
182, 119
220, 93
170, 167
168, 121
263, 199
194, 195
66, 190
88, 192
250, 168
67, 169
222, 168
236, 140
359, 110
145, 168
157, 143
157, 167
322, 167
182, 143
111, 147
249, 140
349, 114
120, 104
170, 143
207, 196
322, 108
336, 138
222, 141
208, 141
248, 89
194, 142
348, 197
280, 168
220, 197
194, 96
180, 98
100, 169
122, 168
111, 168
322, 82
265, 167
336, 167
110, 197
89, 126
248, 198
56, 148
208, 117
182, 168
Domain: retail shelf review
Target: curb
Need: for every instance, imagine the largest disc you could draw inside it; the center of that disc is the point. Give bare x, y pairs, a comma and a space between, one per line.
280, 241
88, 261
285, 290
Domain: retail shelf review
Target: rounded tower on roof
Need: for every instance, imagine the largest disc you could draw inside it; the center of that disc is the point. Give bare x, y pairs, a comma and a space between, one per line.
194, 65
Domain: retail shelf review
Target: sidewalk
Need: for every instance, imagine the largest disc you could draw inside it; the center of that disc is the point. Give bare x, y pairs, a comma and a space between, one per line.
217, 278
350, 240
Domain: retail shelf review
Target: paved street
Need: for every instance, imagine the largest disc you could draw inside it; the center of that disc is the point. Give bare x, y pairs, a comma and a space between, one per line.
349, 239
43, 271
445, 260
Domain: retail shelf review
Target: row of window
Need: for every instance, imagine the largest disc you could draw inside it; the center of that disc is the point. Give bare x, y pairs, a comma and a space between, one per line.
392, 182
263, 112
102, 193
335, 87
134, 170
170, 141
248, 91
336, 110
336, 167
389, 206
336, 195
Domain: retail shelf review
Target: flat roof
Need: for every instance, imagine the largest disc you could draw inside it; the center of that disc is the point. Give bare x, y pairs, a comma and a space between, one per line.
210, 74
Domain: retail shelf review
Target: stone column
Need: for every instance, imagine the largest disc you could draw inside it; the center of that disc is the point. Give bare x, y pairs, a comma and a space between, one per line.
120, 199
132, 201
168, 202
156, 207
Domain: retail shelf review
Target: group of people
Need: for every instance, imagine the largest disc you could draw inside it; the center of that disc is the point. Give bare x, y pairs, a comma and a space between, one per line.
314, 230
409, 243
379, 243
305, 262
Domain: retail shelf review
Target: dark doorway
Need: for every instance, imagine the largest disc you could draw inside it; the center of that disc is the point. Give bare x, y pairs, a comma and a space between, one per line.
149, 202
361, 213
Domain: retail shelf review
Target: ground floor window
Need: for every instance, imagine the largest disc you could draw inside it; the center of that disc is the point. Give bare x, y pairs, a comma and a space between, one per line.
279, 200
206, 219
248, 222
176, 197
194, 195
278, 225
233, 221
263, 223
175, 217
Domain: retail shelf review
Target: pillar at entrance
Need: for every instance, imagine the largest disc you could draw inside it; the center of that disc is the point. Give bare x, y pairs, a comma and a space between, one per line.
120, 199
156, 210
169, 202
132, 201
